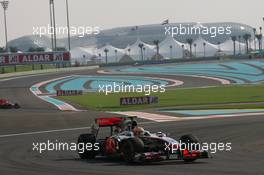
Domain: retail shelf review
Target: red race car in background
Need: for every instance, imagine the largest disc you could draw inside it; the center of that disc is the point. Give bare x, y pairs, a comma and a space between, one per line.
5, 104
134, 144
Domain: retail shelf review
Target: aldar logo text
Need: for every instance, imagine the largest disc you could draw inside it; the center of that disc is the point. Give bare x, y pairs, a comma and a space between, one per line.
198, 29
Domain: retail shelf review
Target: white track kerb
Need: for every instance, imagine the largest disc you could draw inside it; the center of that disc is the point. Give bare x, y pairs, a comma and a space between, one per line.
63, 106
222, 81
167, 118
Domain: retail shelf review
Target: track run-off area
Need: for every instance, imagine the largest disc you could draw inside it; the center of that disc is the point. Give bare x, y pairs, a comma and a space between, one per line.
44, 117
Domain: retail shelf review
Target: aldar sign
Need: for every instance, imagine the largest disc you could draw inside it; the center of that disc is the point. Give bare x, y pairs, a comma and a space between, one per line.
139, 100
34, 58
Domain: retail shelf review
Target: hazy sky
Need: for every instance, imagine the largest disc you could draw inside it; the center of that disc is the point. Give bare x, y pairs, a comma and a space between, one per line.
24, 14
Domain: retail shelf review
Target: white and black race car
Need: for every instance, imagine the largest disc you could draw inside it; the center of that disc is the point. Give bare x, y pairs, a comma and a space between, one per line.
147, 146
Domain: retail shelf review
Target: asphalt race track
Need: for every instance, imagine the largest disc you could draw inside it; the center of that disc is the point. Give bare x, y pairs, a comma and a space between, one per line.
39, 121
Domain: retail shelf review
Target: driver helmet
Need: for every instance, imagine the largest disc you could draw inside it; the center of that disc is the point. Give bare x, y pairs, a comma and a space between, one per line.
134, 124
138, 131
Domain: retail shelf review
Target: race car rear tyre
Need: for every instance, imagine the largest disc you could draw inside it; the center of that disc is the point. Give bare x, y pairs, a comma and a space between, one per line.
130, 147
82, 141
6, 106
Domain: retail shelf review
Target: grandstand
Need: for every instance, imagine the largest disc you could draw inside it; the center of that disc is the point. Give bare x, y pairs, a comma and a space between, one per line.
125, 41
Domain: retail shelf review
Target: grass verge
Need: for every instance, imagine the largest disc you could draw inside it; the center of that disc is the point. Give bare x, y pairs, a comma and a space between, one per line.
24, 68
224, 97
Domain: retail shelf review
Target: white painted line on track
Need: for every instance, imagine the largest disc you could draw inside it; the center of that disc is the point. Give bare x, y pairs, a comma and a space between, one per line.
53, 131
153, 117
24, 76
43, 132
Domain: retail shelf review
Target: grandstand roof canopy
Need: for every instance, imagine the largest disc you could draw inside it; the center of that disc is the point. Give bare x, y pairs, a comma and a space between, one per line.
228, 46
81, 52
171, 48
149, 50
210, 49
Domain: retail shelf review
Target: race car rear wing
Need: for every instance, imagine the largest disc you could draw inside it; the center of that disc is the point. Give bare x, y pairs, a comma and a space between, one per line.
113, 121
110, 122
106, 122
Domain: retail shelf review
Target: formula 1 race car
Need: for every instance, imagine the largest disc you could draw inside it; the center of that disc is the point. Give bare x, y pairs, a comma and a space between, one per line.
134, 144
5, 104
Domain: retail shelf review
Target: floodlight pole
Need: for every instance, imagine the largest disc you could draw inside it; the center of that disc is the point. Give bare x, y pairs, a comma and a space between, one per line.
5, 6
51, 24
262, 35
54, 25
68, 24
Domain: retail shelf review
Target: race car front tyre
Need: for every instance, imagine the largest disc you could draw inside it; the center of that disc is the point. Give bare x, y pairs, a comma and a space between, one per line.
16, 106
83, 140
189, 140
